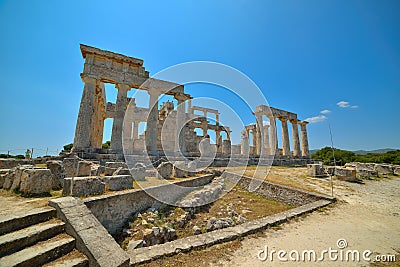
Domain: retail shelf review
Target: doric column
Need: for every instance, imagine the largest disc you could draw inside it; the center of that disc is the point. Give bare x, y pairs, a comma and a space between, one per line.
204, 128
274, 137
266, 140
295, 137
180, 117
84, 130
190, 110
120, 108
218, 141
304, 139
217, 119
245, 143
135, 130
258, 135
152, 122
285, 137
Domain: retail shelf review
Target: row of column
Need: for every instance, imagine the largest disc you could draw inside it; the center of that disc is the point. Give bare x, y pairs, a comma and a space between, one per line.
269, 140
89, 114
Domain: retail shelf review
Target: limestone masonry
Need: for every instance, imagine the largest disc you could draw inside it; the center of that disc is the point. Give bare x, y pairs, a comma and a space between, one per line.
163, 124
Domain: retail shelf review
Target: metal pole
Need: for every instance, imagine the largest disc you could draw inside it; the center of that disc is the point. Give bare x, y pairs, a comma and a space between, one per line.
333, 154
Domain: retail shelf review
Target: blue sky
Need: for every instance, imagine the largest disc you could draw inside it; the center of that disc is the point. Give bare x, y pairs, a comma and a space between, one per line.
305, 56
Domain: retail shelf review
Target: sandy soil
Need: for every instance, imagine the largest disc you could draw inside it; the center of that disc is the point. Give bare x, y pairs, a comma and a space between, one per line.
366, 216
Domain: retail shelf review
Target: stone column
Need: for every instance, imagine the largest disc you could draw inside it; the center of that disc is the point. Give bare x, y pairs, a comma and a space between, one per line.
204, 128
274, 137
180, 117
217, 119
266, 140
295, 137
152, 122
245, 143
135, 130
258, 135
84, 131
285, 137
190, 110
218, 141
120, 108
304, 139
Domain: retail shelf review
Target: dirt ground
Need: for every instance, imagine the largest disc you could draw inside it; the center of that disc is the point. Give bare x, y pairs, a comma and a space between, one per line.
366, 215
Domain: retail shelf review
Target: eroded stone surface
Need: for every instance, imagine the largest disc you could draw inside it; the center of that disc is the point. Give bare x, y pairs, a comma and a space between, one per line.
36, 181
164, 170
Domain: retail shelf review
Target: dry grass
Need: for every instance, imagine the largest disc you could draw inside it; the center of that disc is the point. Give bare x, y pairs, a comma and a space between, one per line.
249, 205
203, 257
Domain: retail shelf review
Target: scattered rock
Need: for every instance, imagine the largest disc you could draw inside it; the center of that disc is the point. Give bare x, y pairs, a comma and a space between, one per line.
139, 172
134, 244
164, 170
196, 230
215, 224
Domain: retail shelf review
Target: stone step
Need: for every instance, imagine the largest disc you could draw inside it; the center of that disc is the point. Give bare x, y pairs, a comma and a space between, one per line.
14, 241
72, 259
22, 219
40, 253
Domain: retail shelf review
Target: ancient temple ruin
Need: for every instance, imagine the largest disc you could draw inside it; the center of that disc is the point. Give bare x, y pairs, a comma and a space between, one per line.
264, 136
170, 128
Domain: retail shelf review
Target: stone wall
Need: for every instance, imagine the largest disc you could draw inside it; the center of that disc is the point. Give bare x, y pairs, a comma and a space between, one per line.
114, 211
286, 194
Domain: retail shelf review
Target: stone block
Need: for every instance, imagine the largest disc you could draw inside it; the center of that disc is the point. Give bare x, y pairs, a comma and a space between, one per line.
84, 168
36, 181
70, 166
164, 170
396, 171
3, 174
57, 170
118, 182
192, 166
316, 170
116, 165
365, 173
86, 186
180, 169
11, 163
384, 169
347, 174
139, 172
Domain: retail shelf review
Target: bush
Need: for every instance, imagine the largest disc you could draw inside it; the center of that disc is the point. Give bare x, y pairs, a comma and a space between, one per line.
343, 156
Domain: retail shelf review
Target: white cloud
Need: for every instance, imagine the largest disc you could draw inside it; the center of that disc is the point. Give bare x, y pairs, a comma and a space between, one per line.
319, 118
325, 111
343, 104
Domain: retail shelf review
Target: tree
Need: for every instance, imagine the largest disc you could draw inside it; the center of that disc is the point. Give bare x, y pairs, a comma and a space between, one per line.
67, 148
106, 145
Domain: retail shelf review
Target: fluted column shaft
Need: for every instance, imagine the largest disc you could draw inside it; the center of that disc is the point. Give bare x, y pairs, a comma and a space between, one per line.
295, 137
274, 137
120, 108
84, 130
285, 137
258, 135
304, 139
152, 122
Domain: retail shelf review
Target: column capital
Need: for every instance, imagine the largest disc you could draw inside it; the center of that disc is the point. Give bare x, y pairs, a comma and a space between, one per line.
283, 119
89, 79
123, 86
303, 122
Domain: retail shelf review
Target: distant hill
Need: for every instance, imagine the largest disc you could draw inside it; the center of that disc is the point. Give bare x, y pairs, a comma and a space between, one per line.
376, 151
363, 152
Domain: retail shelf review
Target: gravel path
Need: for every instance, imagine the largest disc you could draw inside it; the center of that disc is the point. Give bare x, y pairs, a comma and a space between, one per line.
366, 216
